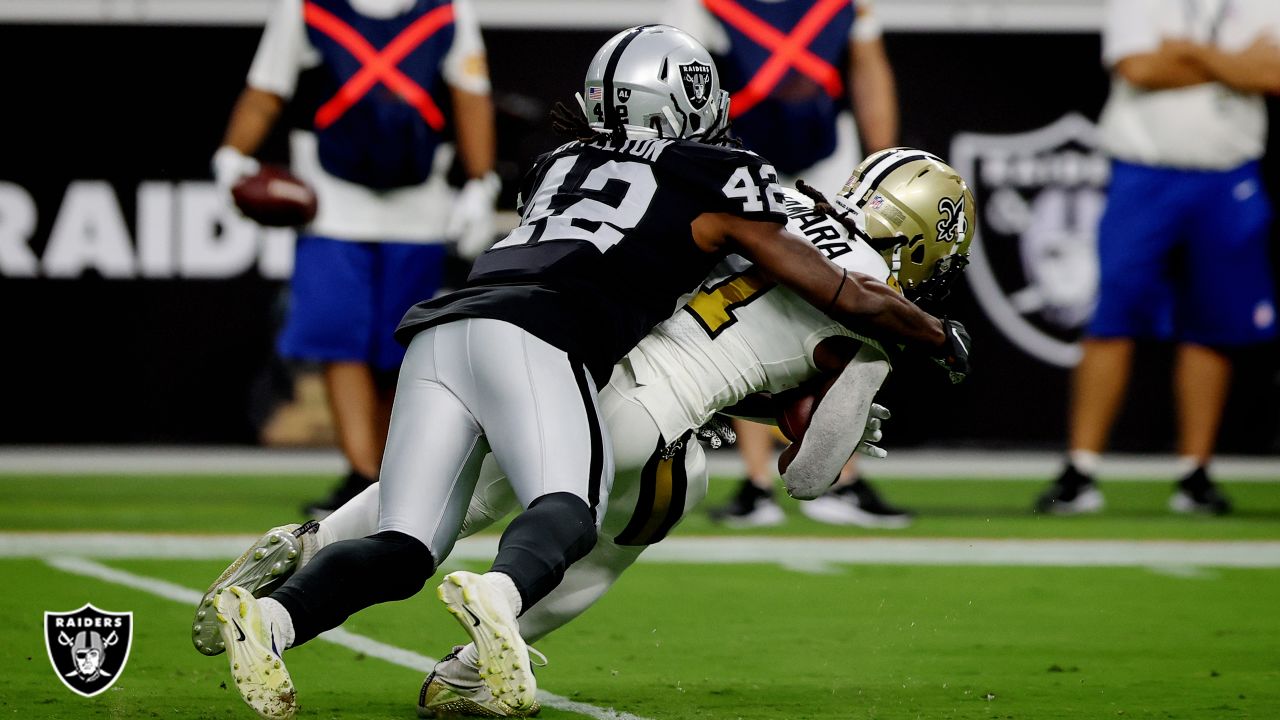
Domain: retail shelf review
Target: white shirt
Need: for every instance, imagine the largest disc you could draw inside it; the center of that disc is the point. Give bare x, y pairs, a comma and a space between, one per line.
768, 345
694, 18
1205, 127
346, 210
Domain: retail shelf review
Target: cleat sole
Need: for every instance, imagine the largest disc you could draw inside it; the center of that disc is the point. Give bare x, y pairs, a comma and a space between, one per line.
264, 684
496, 635
260, 570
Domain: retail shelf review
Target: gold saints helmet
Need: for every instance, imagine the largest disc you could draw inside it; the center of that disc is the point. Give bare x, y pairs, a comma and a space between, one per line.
918, 213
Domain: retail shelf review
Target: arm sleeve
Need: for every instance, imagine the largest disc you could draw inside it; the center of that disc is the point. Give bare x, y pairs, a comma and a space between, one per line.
836, 427
1128, 29
866, 24
465, 67
282, 52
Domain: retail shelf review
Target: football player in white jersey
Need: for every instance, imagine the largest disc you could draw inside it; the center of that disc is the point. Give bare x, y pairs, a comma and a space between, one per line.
904, 218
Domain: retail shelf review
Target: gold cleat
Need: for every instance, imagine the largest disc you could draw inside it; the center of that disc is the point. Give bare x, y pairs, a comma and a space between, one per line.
260, 570
454, 690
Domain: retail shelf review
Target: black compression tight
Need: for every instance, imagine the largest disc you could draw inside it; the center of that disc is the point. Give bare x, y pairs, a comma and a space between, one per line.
351, 575
556, 531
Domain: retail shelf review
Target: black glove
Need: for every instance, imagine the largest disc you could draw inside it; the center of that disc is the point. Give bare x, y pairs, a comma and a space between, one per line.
716, 433
954, 353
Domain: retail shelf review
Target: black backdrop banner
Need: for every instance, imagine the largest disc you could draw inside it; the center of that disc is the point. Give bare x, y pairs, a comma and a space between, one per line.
134, 311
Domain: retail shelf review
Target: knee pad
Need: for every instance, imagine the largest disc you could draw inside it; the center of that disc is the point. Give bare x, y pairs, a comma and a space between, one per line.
556, 531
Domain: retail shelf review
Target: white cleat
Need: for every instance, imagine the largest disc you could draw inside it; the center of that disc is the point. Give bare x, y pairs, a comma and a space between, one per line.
256, 666
260, 570
483, 611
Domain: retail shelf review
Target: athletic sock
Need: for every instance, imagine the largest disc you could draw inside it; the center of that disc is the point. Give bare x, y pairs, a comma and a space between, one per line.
319, 540
503, 582
1188, 464
1194, 475
469, 657
278, 621
1084, 461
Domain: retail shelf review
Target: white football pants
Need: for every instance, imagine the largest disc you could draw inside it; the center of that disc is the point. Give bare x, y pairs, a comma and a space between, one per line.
473, 386
650, 494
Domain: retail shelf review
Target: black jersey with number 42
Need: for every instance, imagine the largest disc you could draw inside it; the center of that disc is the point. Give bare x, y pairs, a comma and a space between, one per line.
605, 247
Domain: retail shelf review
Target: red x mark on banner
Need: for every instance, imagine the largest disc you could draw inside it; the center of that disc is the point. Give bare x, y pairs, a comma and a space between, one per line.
789, 51
378, 66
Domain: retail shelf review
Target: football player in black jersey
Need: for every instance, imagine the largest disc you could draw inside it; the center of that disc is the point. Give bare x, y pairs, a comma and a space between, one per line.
615, 227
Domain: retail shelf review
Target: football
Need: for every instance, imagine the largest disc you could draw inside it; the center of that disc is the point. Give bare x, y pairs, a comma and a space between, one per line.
795, 414
275, 197
796, 406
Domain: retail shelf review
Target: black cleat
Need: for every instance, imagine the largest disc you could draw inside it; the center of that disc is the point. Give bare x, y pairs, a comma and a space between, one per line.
750, 507
1198, 494
1073, 493
856, 504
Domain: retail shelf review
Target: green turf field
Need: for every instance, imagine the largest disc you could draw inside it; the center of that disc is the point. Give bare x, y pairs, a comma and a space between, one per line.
704, 639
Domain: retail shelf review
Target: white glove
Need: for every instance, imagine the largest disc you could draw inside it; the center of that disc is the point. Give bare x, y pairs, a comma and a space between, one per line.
871, 433
229, 166
471, 222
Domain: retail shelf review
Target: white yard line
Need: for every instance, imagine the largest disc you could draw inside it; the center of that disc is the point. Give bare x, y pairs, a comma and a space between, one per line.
359, 643
1186, 559
935, 463
795, 553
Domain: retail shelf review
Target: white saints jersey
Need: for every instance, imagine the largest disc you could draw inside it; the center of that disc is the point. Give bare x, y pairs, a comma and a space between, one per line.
740, 334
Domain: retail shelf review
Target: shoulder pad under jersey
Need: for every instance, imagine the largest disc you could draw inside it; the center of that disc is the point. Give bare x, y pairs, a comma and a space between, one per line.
726, 179
831, 238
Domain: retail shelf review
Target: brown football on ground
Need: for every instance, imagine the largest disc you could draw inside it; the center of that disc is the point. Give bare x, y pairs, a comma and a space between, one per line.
275, 197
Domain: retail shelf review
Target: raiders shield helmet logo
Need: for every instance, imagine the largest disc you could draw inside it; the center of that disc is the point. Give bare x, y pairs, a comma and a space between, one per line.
696, 77
1034, 265
88, 647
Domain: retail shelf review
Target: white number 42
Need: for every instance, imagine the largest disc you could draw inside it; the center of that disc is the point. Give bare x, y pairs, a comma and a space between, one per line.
756, 194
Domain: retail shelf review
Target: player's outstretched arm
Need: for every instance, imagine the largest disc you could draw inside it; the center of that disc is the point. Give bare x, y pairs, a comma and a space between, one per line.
827, 444
855, 300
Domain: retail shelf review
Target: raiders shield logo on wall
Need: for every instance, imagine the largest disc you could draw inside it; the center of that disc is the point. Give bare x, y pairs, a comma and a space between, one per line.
696, 77
88, 647
1034, 267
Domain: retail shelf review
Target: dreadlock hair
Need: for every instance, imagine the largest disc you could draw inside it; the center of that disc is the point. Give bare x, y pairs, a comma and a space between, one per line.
723, 135
824, 206
570, 122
